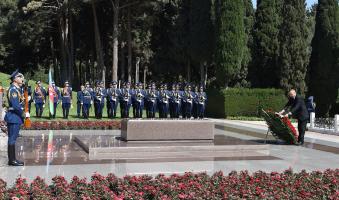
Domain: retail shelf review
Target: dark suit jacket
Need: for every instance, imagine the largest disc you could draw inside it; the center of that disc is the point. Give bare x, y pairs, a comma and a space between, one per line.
297, 108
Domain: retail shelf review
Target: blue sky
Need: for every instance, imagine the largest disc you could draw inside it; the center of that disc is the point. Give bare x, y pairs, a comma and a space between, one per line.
309, 2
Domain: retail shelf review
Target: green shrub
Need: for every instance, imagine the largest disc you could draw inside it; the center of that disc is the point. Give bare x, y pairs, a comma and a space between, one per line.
234, 102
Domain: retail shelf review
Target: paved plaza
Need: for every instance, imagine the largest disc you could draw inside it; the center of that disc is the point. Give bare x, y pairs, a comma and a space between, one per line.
51, 153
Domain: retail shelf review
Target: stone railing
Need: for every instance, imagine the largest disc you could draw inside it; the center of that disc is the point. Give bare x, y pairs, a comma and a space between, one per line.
324, 125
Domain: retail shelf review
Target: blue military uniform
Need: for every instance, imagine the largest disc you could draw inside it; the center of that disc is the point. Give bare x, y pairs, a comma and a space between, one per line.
79, 101
39, 99
125, 100
14, 118
195, 103
146, 100
176, 97
201, 99
163, 102
66, 94
99, 100
87, 100
188, 96
152, 97
139, 95
113, 95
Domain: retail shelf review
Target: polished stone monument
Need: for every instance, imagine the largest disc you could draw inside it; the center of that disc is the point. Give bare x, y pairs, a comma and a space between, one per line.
166, 130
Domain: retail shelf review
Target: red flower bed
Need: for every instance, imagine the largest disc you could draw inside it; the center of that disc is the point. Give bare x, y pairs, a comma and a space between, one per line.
75, 125
242, 185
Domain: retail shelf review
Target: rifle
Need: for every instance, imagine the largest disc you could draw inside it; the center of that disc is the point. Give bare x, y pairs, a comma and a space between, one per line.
27, 122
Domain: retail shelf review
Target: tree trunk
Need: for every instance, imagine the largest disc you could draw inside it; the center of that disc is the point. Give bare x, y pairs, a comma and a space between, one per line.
71, 50
122, 61
115, 39
63, 64
205, 81
98, 46
129, 41
145, 74
137, 65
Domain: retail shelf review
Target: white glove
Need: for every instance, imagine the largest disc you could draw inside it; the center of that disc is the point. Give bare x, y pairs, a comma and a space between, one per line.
91, 102
43, 106
27, 115
29, 98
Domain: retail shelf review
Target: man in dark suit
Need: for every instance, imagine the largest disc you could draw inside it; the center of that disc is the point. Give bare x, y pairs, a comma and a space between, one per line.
298, 110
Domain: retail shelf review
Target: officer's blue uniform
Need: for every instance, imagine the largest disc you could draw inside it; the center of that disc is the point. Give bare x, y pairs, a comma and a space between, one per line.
139, 95
87, 99
188, 104
66, 94
39, 99
176, 97
79, 102
152, 97
14, 118
125, 102
201, 99
99, 101
113, 95
195, 104
163, 103
146, 102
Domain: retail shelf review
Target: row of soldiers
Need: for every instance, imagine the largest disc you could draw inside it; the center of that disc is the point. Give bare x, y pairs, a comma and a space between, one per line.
174, 103
60, 95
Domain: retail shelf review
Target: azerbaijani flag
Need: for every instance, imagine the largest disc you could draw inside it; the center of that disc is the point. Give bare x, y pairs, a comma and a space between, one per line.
51, 92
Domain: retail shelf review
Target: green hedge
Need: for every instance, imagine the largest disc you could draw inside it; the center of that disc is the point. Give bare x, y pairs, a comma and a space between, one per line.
235, 102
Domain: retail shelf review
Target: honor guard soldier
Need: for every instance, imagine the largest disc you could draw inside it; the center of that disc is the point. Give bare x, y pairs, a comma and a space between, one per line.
188, 102
176, 97
99, 100
39, 99
139, 95
125, 100
79, 100
87, 100
171, 103
195, 102
14, 116
56, 98
66, 94
113, 95
201, 99
163, 101
146, 100
152, 97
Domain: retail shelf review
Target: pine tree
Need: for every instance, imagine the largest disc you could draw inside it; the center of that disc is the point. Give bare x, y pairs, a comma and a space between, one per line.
230, 40
293, 58
264, 71
324, 62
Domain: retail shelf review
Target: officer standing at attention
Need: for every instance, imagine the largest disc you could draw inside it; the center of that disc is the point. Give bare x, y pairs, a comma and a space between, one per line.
139, 95
201, 99
146, 100
87, 100
163, 102
125, 100
66, 99
39, 99
113, 95
195, 102
152, 100
188, 102
14, 116
56, 98
99, 99
79, 100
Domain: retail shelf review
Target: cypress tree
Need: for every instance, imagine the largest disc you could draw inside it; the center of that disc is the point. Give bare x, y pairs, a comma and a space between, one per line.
293, 58
265, 71
230, 40
247, 56
324, 62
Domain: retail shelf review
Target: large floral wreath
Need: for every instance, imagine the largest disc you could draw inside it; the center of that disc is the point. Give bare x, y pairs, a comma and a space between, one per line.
281, 127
